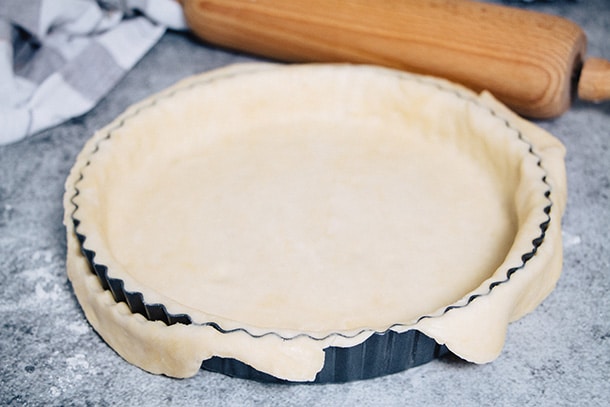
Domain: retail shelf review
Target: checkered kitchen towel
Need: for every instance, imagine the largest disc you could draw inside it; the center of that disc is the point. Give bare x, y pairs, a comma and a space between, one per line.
58, 58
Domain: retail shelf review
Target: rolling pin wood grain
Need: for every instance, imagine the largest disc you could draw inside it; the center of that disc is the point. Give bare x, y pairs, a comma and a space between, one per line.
529, 60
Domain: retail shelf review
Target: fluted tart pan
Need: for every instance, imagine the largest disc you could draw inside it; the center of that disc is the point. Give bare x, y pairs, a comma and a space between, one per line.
313, 223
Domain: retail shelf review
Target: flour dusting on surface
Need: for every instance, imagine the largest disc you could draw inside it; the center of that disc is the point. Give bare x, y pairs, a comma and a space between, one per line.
570, 240
78, 327
77, 362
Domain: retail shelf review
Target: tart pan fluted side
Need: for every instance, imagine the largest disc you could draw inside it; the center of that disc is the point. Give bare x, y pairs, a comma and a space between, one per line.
380, 355
366, 348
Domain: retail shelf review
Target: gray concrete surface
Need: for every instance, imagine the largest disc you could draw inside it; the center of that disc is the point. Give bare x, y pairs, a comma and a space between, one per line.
49, 355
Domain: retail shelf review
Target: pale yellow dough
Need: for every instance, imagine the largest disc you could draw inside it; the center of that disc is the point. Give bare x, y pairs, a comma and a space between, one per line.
317, 199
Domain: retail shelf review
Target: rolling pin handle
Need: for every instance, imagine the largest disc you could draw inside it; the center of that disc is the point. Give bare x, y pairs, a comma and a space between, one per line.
594, 83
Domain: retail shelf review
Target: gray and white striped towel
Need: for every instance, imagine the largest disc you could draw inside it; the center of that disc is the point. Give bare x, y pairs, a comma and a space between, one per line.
58, 58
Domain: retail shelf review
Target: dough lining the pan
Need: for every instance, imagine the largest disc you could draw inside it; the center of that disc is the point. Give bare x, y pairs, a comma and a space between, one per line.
313, 200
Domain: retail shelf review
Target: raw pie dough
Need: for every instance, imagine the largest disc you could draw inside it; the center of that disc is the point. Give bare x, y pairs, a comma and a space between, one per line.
301, 207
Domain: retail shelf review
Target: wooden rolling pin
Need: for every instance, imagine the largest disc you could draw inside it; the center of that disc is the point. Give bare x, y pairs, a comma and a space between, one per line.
529, 60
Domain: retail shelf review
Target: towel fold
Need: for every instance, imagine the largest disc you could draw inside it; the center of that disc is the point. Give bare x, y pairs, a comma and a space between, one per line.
59, 58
